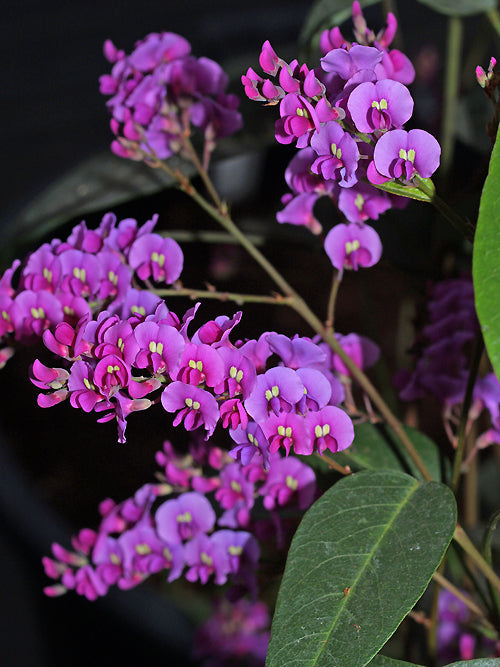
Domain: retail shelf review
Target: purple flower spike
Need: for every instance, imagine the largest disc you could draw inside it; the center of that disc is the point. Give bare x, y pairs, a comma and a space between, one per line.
380, 106
352, 246
401, 154
180, 519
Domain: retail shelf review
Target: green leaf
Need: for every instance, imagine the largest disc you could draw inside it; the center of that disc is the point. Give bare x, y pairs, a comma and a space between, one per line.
327, 14
480, 662
486, 260
395, 188
361, 558
460, 7
375, 447
383, 661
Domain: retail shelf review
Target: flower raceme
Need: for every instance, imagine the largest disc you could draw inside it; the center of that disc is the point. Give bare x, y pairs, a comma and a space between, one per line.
159, 91
346, 118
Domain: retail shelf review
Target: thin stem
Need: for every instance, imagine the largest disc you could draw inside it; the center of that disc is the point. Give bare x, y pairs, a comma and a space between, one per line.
343, 470
464, 414
330, 312
238, 298
461, 538
461, 225
488, 536
445, 583
452, 80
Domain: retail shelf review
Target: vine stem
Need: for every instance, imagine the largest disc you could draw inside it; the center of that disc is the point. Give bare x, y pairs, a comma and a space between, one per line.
461, 538
238, 298
464, 414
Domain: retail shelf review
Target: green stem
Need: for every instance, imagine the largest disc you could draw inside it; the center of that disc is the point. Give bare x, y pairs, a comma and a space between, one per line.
330, 312
464, 414
494, 18
223, 296
488, 536
452, 81
461, 538
460, 224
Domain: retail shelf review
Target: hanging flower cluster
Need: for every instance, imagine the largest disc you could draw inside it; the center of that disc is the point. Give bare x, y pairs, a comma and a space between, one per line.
159, 91
197, 522
346, 118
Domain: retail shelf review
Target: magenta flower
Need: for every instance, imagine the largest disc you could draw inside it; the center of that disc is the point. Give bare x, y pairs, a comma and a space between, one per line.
317, 390
145, 553
180, 519
363, 202
353, 66
352, 246
337, 153
299, 211
33, 312
157, 346
195, 406
204, 558
330, 428
250, 442
111, 374
362, 351
287, 430
277, 390
153, 256
401, 154
382, 105
289, 480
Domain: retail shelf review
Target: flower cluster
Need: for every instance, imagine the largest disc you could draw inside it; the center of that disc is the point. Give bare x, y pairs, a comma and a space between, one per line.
186, 533
159, 91
442, 357
346, 118
63, 282
124, 362
236, 634
456, 639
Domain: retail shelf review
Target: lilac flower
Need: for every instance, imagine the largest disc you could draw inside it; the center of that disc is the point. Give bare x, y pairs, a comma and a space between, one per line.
330, 428
401, 154
361, 349
180, 519
317, 390
352, 246
277, 390
250, 442
145, 553
337, 153
156, 257
299, 211
287, 430
237, 494
204, 558
289, 480
382, 105
157, 346
363, 202
196, 407
33, 312
200, 364
353, 66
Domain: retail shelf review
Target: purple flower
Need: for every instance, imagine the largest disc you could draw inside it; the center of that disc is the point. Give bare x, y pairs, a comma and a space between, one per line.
277, 390
337, 153
382, 105
352, 246
289, 480
287, 430
299, 211
401, 154
158, 346
205, 557
330, 428
180, 519
250, 441
353, 66
362, 351
145, 553
156, 257
363, 202
196, 406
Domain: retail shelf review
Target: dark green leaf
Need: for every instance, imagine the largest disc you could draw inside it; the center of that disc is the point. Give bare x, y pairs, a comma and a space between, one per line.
460, 7
361, 558
383, 661
375, 447
486, 260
